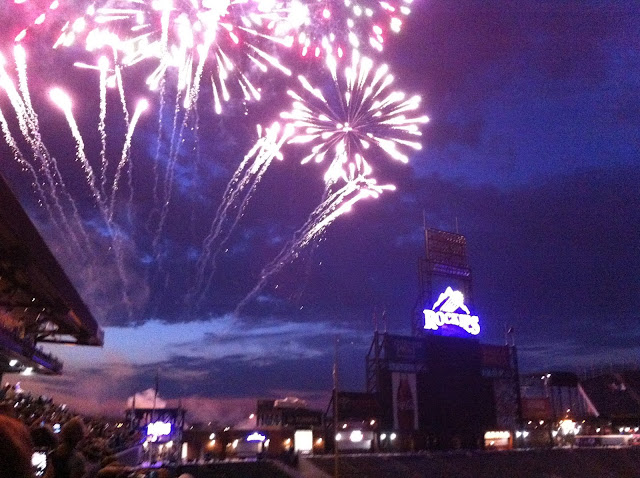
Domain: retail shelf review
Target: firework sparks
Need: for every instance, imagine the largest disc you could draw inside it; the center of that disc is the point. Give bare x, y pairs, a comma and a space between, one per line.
195, 37
27, 119
236, 197
335, 27
35, 12
358, 186
52, 182
360, 112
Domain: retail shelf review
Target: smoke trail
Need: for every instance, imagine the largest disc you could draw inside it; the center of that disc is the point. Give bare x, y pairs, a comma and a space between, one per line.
337, 203
142, 106
236, 197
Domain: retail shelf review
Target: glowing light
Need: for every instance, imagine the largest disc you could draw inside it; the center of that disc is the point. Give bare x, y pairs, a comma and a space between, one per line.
497, 435
60, 98
448, 304
356, 436
158, 429
568, 427
13, 363
255, 437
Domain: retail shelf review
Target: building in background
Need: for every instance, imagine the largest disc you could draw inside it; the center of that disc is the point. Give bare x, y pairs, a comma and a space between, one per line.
356, 426
303, 427
441, 388
615, 396
162, 429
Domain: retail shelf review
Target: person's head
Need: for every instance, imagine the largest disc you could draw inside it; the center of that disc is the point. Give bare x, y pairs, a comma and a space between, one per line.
72, 432
43, 437
16, 449
7, 409
93, 452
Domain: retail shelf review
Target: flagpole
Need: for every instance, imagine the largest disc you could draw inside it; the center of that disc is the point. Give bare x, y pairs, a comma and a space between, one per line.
155, 396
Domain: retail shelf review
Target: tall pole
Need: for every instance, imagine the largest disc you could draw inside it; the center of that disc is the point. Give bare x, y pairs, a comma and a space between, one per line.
155, 395
335, 408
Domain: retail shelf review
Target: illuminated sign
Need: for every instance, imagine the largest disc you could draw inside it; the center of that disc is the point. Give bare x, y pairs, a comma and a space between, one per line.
158, 429
256, 437
446, 311
497, 435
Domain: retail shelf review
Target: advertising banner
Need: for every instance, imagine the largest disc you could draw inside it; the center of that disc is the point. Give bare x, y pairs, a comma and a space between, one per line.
405, 403
536, 408
405, 349
496, 357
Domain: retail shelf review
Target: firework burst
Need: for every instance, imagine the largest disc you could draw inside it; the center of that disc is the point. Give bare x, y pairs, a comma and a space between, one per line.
197, 38
334, 27
360, 111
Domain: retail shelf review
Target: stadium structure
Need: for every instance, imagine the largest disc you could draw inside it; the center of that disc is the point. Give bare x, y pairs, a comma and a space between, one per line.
441, 388
38, 302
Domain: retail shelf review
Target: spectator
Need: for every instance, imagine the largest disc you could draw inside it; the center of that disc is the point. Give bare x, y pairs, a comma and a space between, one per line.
16, 449
93, 453
43, 437
67, 461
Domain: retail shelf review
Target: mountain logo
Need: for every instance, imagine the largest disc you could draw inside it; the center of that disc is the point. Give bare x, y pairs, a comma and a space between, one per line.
449, 309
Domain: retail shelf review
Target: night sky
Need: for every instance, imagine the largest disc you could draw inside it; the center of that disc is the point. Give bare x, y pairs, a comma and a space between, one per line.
532, 148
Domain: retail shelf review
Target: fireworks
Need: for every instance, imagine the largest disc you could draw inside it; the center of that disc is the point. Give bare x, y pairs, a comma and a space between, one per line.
348, 122
338, 201
35, 12
47, 179
360, 112
236, 197
334, 27
195, 37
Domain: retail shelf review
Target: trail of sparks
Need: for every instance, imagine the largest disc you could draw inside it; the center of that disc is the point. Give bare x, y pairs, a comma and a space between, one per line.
28, 125
124, 157
103, 65
174, 149
235, 199
107, 211
62, 100
357, 187
21, 160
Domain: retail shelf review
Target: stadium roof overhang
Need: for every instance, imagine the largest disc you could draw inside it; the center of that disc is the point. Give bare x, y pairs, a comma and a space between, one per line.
38, 302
